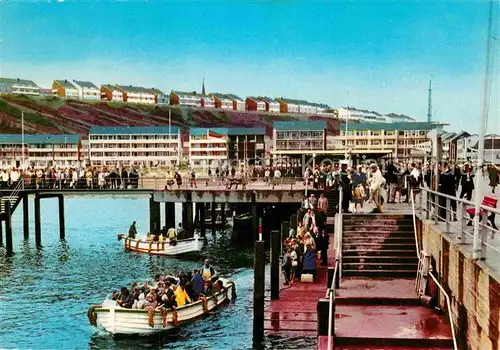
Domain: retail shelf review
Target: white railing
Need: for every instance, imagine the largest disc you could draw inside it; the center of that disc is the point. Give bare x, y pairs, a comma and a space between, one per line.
448, 304
337, 273
442, 207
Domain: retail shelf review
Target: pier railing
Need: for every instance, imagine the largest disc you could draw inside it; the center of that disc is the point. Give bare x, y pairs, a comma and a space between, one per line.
458, 216
337, 272
166, 184
440, 286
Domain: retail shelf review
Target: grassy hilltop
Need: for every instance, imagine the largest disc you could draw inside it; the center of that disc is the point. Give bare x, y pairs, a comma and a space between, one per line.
54, 115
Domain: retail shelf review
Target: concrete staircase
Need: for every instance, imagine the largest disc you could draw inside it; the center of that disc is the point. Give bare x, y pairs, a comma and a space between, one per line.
378, 245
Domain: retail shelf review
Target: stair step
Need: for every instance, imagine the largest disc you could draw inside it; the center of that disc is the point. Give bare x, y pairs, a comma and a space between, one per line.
361, 238
380, 273
379, 259
379, 246
381, 252
362, 266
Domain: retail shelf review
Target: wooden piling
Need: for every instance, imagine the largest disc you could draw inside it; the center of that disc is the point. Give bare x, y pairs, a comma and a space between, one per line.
214, 218
38, 221
188, 225
255, 219
170, 215
285, 229
258, 294
154, 215
26, 217
323, 309
62, 226
275, 264
293, 221
1, 233
202, 219
8, 228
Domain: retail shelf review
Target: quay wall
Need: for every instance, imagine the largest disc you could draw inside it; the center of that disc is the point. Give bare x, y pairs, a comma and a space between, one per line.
473, 290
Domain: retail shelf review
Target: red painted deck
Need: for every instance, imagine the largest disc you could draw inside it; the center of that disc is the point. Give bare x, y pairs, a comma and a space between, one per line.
294, 314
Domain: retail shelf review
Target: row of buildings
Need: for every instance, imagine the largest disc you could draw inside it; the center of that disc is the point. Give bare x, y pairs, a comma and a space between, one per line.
290, 142
84, 90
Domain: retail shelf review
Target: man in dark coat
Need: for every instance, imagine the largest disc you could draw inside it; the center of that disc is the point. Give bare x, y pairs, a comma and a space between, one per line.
467, 182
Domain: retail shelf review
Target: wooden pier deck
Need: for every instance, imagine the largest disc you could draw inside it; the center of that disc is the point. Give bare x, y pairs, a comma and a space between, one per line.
294, 314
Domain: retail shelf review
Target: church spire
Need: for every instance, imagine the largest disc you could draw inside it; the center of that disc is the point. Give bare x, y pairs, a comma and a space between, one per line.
203, 87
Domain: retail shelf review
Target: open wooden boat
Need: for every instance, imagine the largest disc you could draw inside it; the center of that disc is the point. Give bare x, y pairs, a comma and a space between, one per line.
148, 246
117, 320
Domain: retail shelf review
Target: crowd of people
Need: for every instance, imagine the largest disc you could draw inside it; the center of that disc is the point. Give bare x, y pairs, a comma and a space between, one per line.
169, 291
71, 178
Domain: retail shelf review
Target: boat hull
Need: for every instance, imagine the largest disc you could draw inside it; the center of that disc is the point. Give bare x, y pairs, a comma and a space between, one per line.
120, 321
183, 246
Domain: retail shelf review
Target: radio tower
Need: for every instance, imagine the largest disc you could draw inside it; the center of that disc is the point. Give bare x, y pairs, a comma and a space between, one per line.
429, 107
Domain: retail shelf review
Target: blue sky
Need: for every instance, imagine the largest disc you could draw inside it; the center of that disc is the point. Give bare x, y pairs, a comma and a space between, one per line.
374, 55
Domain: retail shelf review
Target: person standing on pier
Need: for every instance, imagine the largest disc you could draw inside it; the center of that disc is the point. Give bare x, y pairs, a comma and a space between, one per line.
447, 186
376, 181
193, 178
346, 188
467, 182
494, 175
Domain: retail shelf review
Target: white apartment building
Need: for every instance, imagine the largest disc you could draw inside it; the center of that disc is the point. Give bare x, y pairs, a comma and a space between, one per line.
87, 90
272, 105
398, 118
111, 93
186, 99
238, 102
137, 94
208, 147
135, 145
19, 86
160, 97
362, 116
403, 141
207, 101
464, 147
222, 101
64, 88
40, 151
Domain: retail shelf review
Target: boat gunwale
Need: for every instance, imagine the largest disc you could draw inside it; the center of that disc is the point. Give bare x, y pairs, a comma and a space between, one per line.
107, 309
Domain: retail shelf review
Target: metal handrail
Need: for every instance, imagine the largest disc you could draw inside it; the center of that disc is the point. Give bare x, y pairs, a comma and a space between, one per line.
14, 194
330, 293
448, 304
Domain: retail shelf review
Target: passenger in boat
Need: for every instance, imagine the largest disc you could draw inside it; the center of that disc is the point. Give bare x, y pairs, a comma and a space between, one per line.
151, 299
181, 296
132, 231
127, 299
169, 298
142, 302
207, 288
197, 283
207, 271
172, 236
217, 287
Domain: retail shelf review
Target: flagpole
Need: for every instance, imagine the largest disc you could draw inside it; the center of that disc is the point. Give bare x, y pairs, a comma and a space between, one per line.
169, 137
476, 247
22, 139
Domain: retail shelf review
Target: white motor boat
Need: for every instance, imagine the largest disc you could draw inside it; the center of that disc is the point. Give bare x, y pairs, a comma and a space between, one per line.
117, 320
149, 246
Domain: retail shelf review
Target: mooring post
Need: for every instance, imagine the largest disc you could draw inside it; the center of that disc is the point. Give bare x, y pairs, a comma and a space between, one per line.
254, 215
8, 228
293, 221
323, 309
26, 217
62, 226
258, 293
202, 219
38, 221
151, 214
214, 218
189, 215
170, 215
275, 264
223, 213
285, 228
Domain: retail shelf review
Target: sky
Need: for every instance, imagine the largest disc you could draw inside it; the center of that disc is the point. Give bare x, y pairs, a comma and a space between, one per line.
375, 55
